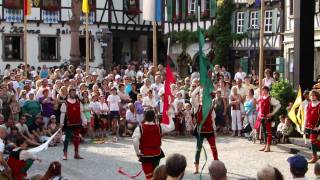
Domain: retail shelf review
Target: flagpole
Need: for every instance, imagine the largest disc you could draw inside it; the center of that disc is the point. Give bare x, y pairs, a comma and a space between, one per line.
87, 43
25, 52
261, 54
154, 37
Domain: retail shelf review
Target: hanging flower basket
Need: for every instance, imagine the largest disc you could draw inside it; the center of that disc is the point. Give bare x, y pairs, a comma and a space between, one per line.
51, 5
13, 4
191, 17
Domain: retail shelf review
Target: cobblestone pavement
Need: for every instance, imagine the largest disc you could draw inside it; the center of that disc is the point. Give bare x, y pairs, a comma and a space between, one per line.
101, 162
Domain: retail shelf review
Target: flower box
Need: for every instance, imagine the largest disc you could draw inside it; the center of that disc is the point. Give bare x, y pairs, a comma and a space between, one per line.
13, 4
133, 11
205, 14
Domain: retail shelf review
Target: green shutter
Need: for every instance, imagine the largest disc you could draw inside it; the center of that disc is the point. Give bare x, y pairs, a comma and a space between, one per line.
169, 10
244, 63
280, 64
213, 8
184, 9
246, 22
274, 20
233, 22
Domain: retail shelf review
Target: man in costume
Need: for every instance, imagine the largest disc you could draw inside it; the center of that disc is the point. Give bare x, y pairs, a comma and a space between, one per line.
147, 141
73, 118
312, 123
21, 160
207, 130
265, 103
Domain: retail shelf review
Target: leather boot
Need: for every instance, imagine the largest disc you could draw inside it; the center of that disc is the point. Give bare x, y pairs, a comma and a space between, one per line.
314, 159
196, 170
65, 155
264, 148
267, 148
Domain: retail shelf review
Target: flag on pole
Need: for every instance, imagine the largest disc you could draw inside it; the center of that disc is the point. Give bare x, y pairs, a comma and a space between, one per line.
85, 6
168, 97
296, 112
152, 10
205, 80
27, 7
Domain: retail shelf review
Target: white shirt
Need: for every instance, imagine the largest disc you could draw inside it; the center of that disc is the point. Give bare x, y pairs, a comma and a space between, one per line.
130, 116
104, 107
149, 102
144, 90
95, 107
1, 151
137, 135
240, 75
113, 101
23, 128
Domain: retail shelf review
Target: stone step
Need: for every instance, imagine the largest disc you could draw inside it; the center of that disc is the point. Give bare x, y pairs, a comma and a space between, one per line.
300, 142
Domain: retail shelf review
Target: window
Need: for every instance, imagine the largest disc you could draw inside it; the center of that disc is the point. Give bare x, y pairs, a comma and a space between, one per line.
254, 20
13, 48
240, 22
82, 46
177, 8
268, 22
206, 5
49, 48
193, 6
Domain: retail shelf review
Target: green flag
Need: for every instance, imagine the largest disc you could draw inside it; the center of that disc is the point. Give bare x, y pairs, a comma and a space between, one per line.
205, 80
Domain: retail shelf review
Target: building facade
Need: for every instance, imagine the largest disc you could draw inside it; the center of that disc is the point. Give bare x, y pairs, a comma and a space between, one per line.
289, 40
181, 15
49, 35
246, 24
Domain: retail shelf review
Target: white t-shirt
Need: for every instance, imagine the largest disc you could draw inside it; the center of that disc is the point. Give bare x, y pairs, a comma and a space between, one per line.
130, 116
1, 151
144, 90
95, 107
240, 75
104, 107
114, 101
149, 102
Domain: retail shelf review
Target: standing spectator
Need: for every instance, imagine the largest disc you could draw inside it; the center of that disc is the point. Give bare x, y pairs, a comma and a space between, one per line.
134, 92
156, 87
276, 76
188, 118
242, 91
7, 70
225, 73
61, 98
127, 84
104, 115
240, 74
114, 105
267, 80
139, 108
23, 98
250, 108
220, 107
47, 104
149, 101
14, 109
235, 101
217, 170
5, 172
175, 166
44, 72
298, 166
146, 87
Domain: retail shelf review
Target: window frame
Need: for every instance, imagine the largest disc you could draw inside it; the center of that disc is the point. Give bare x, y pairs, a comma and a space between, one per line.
91, 50
240, 22
4, 58
268, 25
193, 3
254, 19
58, 42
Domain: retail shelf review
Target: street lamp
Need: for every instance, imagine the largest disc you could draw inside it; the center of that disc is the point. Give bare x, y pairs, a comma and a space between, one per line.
253, 34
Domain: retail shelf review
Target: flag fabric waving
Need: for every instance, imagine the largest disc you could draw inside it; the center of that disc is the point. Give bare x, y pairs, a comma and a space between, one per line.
296, 113
27, 7
205, 80
168, 97
152, 10
85, 6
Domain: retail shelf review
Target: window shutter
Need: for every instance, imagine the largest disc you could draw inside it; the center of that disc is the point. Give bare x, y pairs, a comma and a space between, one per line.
274, 20
246, 21
233, 22
169, 10
213, 8
184, 9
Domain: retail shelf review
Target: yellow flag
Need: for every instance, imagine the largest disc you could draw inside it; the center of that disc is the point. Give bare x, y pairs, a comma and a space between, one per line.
85, 6
292, 113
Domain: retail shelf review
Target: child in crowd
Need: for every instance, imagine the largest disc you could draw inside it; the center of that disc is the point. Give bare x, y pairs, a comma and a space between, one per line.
53, 127
188, 118
87, 113
114, 106
24, 131
15, 109
104, 115
179, 120
139, 108
95, 109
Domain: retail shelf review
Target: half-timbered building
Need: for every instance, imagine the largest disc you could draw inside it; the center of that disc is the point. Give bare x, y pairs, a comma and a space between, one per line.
246, 24
182, 15
117, 32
